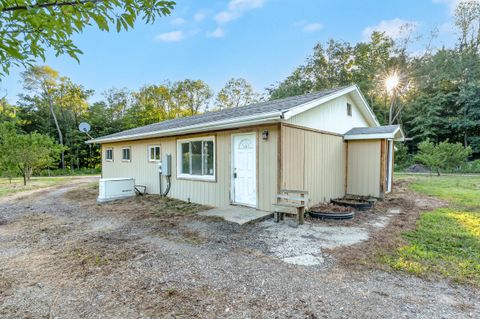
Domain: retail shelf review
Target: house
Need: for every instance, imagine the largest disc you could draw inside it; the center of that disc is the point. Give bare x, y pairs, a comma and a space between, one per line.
328, 143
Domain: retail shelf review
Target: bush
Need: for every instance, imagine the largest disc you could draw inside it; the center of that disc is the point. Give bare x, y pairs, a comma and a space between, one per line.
443, 156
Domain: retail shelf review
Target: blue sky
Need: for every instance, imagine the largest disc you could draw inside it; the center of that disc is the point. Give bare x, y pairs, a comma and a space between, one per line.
260, 40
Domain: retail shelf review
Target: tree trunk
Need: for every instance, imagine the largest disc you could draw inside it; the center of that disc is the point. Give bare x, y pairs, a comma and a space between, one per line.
438, 172
60, 135
24, 179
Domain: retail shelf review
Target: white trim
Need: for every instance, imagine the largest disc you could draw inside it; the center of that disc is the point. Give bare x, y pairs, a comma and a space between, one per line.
375, 136
149, 147
232, 161
180, 175
224, 124
106, 150
307, 106
129, 153
390, 165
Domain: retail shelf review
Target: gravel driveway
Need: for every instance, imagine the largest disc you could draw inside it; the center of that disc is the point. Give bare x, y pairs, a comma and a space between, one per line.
67, 258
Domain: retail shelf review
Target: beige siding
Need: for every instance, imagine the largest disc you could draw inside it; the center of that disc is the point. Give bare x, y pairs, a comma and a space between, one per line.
331, 116
214, 193
314, 162
364, 168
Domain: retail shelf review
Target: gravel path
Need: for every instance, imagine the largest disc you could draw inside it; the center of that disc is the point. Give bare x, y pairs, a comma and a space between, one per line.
59, 259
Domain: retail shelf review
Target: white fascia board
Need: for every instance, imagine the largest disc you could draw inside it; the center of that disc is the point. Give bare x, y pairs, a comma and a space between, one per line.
368, 136
307, 106
218, 125
367, 106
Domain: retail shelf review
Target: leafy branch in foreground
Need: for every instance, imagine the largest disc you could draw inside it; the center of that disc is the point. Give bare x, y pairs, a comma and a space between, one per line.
29, 27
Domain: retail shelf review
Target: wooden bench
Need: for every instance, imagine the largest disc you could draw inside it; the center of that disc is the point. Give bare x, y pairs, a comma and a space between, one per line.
291, 202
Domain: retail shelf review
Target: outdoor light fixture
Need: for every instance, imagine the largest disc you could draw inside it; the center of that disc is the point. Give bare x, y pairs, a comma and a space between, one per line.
265, 134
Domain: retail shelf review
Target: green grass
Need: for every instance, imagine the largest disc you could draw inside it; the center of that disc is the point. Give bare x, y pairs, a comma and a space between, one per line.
7, 188
446, 241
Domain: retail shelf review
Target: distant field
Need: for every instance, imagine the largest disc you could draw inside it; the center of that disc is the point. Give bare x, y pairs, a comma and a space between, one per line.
16, 185
446, 241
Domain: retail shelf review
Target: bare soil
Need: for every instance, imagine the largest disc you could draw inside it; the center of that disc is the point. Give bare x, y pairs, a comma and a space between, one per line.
62, 255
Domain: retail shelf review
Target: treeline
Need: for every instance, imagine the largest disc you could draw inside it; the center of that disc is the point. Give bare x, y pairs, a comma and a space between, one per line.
54, 105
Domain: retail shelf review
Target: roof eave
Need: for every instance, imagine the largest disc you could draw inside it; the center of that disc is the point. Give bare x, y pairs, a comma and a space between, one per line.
212, 126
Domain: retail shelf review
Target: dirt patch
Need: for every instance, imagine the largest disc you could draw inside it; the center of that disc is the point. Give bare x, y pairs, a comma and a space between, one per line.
403, 209
329, 207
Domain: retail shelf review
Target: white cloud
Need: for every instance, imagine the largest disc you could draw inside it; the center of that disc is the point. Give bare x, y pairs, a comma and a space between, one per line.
225, 17
178, 22
217, 33
199, 16
174, 36
312, 27
395, 28
244, 5
236, 8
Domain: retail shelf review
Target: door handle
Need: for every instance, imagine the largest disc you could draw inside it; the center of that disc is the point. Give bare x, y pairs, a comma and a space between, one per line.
235, 175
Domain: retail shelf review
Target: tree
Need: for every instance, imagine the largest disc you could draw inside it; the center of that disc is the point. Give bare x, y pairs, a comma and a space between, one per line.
43, 81
235, 93
29, 27
192, 96
444, 155
27, 151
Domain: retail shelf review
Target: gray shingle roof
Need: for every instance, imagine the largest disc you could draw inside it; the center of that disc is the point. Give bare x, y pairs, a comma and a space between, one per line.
386, 129
280, 105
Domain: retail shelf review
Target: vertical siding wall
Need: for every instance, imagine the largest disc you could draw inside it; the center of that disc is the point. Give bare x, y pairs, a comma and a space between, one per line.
314, 162
331, 116
364, 168
214, 193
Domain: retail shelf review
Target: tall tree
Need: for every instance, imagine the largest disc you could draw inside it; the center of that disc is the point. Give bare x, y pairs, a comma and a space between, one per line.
44, 81
29, 27
235, 93
192, 95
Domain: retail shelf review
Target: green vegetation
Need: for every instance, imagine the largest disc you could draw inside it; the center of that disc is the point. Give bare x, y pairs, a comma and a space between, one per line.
446, 241
444, 155
8, 187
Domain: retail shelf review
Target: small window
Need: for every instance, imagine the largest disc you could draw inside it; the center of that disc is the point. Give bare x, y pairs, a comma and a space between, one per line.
349, 109
154, 153
109, 154
126, 154
196, 158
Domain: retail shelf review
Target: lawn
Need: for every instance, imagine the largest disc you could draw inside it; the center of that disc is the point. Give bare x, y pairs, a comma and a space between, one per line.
7, 188
446, 241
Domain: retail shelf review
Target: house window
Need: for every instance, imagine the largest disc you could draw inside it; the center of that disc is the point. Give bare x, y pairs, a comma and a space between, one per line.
154, 153
126, 154
196, 158
349, 109
109, 154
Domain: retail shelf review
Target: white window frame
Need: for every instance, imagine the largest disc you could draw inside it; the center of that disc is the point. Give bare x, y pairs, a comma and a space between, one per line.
209, 178
130, 152
106, 151
149, 148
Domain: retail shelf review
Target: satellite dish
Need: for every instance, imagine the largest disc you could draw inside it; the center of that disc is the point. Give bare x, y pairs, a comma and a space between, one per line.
84, 127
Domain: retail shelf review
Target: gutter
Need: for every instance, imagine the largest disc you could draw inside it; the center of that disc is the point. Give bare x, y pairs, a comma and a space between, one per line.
225, 124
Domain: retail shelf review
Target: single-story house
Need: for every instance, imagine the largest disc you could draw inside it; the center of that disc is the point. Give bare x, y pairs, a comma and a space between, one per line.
328, 143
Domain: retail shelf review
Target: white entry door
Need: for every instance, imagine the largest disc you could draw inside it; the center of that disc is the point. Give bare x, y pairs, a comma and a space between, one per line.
244, 169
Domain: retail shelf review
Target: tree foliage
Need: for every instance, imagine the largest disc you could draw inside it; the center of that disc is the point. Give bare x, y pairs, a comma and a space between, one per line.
29, 27
443, 155
23, 153
235, 93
